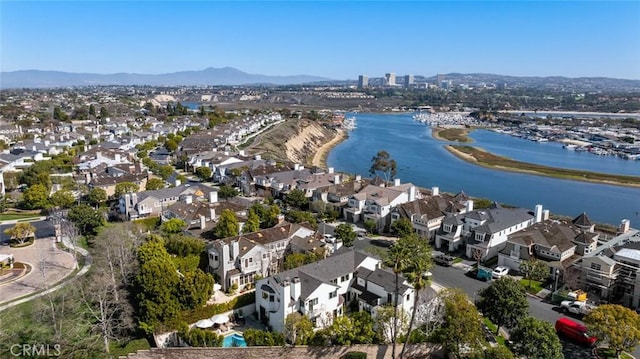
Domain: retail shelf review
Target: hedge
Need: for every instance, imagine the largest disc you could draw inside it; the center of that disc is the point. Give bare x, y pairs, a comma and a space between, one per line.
150, 223
355, 355
208, 311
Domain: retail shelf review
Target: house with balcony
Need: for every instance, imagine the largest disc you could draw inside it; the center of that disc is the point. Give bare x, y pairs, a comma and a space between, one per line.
557, 242
322, 289
483, 232
375, 203
237, 260
426, 214
154, 203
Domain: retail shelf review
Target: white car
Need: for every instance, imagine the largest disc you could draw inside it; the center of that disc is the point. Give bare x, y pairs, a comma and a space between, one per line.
500, 272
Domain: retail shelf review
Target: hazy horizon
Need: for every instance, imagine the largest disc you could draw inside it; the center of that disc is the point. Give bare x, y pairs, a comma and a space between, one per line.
336, 40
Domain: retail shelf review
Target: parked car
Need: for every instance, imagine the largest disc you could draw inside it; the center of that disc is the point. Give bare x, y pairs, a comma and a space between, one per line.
444, 260
575, 331
483, 273
499, 272
576, 307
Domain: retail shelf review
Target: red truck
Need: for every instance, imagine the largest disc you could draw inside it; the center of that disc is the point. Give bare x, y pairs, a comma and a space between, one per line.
575, 331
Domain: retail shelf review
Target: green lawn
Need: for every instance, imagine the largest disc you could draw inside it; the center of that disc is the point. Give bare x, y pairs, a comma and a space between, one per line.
14, 216
532, 288
457, 260
492, 327
131, 347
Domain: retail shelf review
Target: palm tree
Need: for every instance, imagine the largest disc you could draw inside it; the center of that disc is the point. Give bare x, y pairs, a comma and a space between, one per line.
417, 272
397, 259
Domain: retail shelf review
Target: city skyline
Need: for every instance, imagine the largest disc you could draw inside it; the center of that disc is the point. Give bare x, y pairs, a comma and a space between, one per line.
337, 40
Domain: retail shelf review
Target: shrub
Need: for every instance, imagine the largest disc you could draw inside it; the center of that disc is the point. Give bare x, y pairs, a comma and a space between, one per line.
355, 355
150, 223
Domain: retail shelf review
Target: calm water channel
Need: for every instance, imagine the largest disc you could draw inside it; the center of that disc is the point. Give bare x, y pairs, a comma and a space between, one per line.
423, 161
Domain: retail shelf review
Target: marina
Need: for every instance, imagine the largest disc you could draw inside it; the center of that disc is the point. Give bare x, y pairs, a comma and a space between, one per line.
423, 161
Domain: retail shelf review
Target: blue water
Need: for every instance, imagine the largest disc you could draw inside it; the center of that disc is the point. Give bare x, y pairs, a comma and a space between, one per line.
424, 162
234, 340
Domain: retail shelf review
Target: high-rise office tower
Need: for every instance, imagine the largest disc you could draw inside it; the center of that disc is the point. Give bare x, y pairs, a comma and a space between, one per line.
390, 79
408, 81
363, 81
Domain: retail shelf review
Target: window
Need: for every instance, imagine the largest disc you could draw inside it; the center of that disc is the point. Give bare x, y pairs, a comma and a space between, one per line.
265, 295
447, 228
596, 266
333, 294
480, 237
408, 297
389, 297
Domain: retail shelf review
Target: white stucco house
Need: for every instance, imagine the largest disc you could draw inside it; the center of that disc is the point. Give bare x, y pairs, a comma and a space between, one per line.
321, 290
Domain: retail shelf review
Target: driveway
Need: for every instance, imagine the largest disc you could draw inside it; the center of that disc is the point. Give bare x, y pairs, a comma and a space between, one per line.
49, 266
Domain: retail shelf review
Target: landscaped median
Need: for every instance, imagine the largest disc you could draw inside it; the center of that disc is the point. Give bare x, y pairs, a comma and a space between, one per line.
489, 160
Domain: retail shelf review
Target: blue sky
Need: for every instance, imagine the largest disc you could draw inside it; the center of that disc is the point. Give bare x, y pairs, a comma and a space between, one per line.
326, 38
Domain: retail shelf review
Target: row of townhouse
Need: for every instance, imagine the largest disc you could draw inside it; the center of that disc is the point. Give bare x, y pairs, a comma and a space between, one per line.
323, 289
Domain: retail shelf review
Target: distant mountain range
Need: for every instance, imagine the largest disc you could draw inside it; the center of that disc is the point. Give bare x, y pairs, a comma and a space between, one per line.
227, 76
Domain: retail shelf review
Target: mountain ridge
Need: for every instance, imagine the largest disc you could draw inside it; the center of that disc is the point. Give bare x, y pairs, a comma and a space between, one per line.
227, 76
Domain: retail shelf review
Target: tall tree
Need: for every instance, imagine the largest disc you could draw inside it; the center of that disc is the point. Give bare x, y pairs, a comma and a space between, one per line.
35, 197
204, 173
227, 191
534, 338
96, 196
397, 258
504, 302
125, 187
21, 232
227, 225
297, 198
534, 269
461, 329
154, 184
88, 219
615, 325
253, 222
382, 162
63, 199
346, 234
298, 329
402, 227
416, 271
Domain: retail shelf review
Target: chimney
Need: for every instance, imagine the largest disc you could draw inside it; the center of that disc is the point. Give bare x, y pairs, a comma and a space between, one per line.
330, 170
202, 222
226, 153
257, 157
212, 213
235, 246
396, 182
538, 213
545, 214
469, 205
336, 179
358, 178
188, 199
412, 193
295, 288
624, 226
98, 155
296, 167
242, 153
213, 197
435, 191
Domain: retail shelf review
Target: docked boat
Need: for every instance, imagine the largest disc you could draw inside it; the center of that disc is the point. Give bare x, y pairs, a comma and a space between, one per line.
349, 123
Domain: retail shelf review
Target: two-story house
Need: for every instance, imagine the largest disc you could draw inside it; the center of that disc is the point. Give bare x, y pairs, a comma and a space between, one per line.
557, 242
237, 260
320, 290
483, 232
154, 203
376, 202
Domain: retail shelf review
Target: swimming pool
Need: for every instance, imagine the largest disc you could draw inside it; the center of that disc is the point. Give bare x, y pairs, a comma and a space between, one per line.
234, 340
